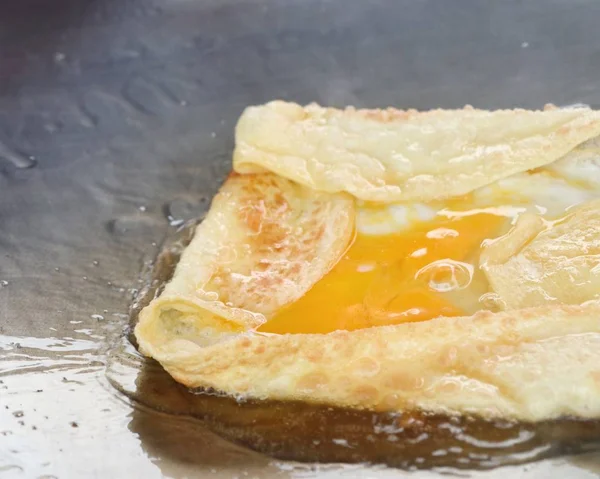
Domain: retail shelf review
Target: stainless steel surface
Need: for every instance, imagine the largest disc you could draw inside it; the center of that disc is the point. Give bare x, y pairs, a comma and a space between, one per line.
116, 122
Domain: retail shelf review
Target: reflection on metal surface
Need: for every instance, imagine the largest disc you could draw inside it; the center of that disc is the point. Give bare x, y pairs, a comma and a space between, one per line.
17, 159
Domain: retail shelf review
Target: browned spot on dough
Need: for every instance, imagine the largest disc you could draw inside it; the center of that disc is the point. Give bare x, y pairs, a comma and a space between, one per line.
295, 269
391, 401
404, 381
280, 201
314, 355
513, 337
366, 394
253, 215
388, 115
319, 233
564, 130
263, 265
365, 366
242, 388
448, 357
449, 387
312, 382
595, 375
483, 349
504, 350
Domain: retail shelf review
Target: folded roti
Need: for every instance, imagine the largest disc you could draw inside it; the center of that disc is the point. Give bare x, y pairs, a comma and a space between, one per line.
274, 231
582, 165
537, 263
394, 155
263, 244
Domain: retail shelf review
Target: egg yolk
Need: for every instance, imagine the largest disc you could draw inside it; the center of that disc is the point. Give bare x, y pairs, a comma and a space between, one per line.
414, 275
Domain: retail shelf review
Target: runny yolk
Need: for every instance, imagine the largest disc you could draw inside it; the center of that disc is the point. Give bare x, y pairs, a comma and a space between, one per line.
390, 279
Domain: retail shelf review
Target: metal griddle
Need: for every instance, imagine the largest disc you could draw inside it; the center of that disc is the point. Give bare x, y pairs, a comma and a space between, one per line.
116, 127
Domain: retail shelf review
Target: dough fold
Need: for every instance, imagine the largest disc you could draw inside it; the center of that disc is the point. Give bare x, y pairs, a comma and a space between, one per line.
530, 364
538, 264
263, 244
393, 155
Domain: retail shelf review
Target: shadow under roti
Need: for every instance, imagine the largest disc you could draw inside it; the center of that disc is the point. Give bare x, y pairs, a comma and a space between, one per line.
182, 439
313, 433
300, 431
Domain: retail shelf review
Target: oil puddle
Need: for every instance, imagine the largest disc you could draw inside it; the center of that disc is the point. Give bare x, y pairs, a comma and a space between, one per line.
308, 433
28, 354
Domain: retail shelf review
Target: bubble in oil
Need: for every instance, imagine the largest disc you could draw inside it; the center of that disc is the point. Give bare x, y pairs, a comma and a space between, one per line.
180, 211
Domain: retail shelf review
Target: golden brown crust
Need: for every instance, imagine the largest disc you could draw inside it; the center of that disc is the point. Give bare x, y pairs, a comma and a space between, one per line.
530, 364
263, 244
392, 155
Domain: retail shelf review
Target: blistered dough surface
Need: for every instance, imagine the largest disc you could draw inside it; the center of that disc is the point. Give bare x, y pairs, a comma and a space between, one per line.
537, 263
530, 364
263, 244
392, 155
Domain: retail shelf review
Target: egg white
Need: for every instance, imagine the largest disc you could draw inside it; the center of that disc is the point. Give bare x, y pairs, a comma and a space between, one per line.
549, 192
